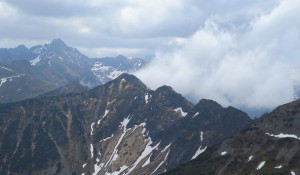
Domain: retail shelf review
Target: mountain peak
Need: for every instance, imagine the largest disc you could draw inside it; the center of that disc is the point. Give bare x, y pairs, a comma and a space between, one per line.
130, 78
58, 43
22, 47
165, 88
209, 103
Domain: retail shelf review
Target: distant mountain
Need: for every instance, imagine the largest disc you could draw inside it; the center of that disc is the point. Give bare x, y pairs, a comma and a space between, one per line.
50, 66
15, 86
58, 63
109, 68
75, 87
270, 146
19, 53
121, 127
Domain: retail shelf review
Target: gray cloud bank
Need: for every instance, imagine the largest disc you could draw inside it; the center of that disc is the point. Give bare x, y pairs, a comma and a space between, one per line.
254, 66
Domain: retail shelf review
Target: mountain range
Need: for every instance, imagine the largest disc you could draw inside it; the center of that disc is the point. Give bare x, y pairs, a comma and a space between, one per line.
121, 127
26, 73
271, 145
64, 113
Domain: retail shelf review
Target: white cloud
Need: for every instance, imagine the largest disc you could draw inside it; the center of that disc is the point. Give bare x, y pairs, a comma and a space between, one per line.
250, 68
112, 52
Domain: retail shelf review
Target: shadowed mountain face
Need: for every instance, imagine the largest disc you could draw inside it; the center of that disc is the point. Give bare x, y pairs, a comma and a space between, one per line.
270, 146
74, 87
121, 127
26, 73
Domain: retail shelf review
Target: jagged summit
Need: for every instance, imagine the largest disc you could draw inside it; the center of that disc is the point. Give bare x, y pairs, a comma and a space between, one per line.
208, 103
208, 107
58, 43
55, 64
164, 88
129, 79
22, 47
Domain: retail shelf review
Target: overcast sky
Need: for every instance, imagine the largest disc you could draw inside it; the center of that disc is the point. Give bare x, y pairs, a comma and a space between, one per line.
243, 53
111, 27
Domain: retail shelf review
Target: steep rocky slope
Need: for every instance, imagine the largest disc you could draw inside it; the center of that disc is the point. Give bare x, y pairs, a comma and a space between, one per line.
121, 127
270, 146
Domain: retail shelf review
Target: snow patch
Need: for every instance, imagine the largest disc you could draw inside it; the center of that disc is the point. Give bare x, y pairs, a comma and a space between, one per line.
140, 125
97, 168
223, 153
195, 114
84, 165
6, 68
148, 149
103, 140
260, 165
122, 168
293, 173
124, 123
3, 80
147, 98
161, 163
92, 128
166, 148
114, 74
105, 113
115, 157
114, 154
110, 102
198, 152
179, 109
35, 61
100, 67
250, 158
147, 161
281, 135
92, 151
278, 167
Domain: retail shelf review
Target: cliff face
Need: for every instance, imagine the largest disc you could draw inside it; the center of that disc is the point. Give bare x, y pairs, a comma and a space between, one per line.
121, 127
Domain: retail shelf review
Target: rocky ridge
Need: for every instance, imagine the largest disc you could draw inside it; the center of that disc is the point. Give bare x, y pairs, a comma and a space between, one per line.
121, 127
270, 146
